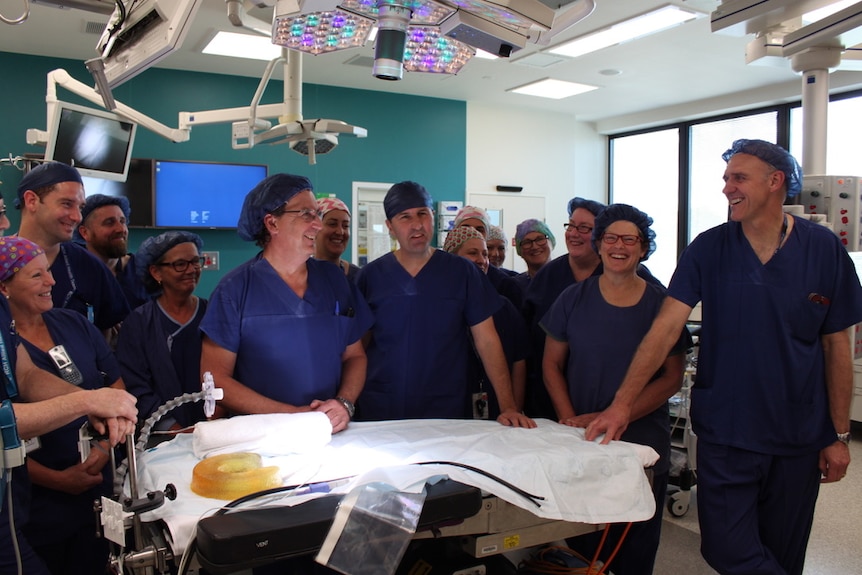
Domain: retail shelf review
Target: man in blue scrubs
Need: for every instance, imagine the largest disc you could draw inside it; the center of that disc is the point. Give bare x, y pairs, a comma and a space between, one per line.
771, 404
104, 230
430, 309
50, 197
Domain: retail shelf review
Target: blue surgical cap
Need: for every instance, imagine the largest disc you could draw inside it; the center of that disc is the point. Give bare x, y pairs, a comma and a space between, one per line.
97, 201
616, 212
404, 196
45, 175
591, 206
775, 156
270, 193
153, 248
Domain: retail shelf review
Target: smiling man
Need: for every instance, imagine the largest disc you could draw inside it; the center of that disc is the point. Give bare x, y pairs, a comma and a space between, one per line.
428, 305
50, 197
771, 405
105, 231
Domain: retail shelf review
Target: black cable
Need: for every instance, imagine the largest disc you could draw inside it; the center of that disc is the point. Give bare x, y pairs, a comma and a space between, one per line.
534, 499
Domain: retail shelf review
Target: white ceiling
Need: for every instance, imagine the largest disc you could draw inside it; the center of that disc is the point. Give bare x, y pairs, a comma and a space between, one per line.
667, 71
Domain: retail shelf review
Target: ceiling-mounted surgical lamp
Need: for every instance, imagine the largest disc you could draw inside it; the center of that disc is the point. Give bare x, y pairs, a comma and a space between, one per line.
392, 22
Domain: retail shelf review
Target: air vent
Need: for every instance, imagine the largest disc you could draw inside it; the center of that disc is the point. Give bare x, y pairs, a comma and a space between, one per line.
95, 28
363, 61
538, 60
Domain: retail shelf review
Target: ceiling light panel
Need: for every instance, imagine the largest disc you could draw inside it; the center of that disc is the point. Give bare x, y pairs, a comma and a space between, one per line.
638, 27
554, 89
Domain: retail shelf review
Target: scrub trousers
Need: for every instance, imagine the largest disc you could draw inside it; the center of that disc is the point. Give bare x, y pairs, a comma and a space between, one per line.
755, 510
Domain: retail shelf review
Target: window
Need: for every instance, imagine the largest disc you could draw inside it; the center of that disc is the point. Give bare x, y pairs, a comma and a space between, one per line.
644, 174
842, 133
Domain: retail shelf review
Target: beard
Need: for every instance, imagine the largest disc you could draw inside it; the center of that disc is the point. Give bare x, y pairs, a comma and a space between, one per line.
113, 248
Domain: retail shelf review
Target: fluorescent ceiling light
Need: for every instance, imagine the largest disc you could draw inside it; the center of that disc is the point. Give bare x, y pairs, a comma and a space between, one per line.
637, 27
826, 11
242, 46
555, 89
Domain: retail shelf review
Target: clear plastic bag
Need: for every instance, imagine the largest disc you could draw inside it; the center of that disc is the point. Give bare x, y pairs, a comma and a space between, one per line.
372, 528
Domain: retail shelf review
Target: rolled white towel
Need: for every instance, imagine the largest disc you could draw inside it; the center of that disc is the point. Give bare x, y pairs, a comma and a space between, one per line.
266, 434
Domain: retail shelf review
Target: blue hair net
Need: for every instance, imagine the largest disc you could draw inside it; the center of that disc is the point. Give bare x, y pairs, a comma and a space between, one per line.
270, 193
617, 212
154, 248
591, 206
404, 196
45, 175
775, 156
97, 201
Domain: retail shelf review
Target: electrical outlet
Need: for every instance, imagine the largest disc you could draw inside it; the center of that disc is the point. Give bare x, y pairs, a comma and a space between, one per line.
210, 260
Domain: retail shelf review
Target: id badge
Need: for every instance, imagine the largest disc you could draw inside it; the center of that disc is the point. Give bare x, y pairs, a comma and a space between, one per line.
480, 405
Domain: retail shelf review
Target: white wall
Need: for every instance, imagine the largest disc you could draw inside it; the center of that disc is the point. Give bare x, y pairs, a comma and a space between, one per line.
548, 154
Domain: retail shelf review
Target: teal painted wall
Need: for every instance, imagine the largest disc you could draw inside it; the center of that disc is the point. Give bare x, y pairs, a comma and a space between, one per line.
409, 137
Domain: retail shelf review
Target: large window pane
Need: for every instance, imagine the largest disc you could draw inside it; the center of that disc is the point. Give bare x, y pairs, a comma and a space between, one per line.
707, 205
842, 137
645, 175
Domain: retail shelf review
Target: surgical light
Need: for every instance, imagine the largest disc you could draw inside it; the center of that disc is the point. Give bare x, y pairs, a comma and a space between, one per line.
428, 50
321, 32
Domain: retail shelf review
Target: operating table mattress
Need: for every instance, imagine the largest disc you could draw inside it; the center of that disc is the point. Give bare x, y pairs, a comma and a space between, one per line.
578, 481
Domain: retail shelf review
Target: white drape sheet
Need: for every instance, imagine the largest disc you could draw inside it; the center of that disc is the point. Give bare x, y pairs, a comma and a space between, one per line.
580, 481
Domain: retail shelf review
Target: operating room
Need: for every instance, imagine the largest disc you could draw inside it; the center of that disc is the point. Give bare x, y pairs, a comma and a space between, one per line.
469, 140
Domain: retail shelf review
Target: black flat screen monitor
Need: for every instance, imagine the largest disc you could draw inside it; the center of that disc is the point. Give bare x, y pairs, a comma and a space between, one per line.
138, 189
201, 194
98, 143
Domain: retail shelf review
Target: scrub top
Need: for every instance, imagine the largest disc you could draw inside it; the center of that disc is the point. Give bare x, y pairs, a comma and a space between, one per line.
506, 286
542, 291
760, 373
131, 283
602, 340
287, 348
160, 360
53, 514
420, 343
85, 285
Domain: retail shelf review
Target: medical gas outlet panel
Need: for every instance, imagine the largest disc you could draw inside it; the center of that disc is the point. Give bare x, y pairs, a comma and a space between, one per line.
839, 198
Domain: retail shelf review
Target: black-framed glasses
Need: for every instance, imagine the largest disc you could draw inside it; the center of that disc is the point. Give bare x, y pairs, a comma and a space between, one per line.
539, 242
183, 265
582, 228
627, 239
307, 215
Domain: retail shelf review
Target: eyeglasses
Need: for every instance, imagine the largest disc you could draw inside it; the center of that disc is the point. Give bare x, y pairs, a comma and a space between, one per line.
628, 240
183, 265
583, 228
307, 215
538, 242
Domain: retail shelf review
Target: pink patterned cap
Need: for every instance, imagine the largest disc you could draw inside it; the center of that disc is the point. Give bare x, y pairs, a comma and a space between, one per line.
15, 253
326, 205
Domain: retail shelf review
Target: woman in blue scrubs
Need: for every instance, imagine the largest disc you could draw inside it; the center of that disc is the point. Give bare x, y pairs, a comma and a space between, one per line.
468, 243
159, 348
593, 329
282, 331
62, 526
427, 306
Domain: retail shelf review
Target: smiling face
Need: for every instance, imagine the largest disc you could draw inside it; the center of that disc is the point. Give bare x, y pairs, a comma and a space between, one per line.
751, 186
476, 251
56, 213
535, 249
579, 232
173, 281
413, 229
29, 290
106, 232
332, 239
497, 252
618, 257
294, 229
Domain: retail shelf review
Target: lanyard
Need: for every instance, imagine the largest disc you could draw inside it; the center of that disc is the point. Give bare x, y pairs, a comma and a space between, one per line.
74, 290
11, 387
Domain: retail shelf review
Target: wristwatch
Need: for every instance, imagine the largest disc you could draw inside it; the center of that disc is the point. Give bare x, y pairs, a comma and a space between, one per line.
842, 437
351, 409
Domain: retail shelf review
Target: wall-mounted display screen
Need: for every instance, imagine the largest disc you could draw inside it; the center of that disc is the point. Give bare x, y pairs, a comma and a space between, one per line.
201, 194
138, 189
98, 143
